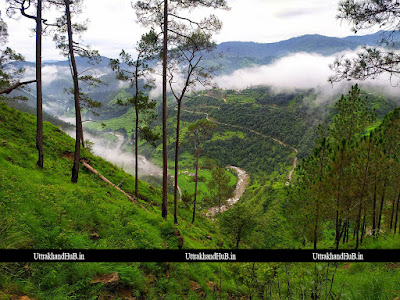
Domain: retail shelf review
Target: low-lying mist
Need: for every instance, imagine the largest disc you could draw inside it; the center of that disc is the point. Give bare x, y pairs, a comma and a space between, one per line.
112, 152
303, 71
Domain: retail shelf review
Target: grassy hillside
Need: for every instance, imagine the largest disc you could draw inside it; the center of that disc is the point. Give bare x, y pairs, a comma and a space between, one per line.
42, 204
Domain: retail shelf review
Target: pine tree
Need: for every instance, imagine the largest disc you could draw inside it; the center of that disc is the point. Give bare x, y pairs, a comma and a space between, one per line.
198, 132
65, 41
146, 48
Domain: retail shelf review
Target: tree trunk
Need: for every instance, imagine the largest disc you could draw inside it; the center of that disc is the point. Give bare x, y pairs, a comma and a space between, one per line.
362, 195
16, 85
82, 139
392, 212
78, 138
363, 227
397, 213
345, 231
94, 171
136, 146
195, 185
316, 225
338, 232
338, 221
374, 211
178, 118
137, 126
164, 114
219, 204
381, 207
321, 168
238, 237
39, 109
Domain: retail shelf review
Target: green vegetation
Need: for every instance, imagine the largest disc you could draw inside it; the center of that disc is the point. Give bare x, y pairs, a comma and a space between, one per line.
205, 194
103, 209
226, 135
284, 116
344, 192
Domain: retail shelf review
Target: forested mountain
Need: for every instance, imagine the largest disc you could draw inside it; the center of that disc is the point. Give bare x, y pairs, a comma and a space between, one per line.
310, 43
236, 55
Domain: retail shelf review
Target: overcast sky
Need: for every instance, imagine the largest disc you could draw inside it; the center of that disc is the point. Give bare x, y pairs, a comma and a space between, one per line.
113, 24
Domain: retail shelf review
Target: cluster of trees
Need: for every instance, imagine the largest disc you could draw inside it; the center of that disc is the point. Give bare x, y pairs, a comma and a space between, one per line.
352, 178
351, 182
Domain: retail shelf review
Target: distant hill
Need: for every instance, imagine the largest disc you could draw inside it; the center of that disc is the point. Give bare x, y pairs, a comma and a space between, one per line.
82, 63
237, 55
311, 43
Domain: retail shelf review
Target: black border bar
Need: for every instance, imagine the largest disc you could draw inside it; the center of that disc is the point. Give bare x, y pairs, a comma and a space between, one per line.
219, 255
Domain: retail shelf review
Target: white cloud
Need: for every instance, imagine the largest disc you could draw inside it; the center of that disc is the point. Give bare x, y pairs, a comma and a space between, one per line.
300, 70
49, 73
304, 71
112, 152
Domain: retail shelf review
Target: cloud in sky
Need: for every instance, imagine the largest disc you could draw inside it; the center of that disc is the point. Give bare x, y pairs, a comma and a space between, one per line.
113, 152
113, 26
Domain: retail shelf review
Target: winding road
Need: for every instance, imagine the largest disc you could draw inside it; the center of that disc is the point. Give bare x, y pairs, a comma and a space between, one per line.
257, 133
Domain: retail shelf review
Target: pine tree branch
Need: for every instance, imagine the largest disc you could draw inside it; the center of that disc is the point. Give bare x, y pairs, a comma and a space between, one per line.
14, 86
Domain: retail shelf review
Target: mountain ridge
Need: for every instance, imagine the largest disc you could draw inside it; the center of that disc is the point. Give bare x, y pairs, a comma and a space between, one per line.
296, 43
314, 43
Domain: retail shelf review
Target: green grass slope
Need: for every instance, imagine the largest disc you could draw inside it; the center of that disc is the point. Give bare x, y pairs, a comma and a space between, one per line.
49, 211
